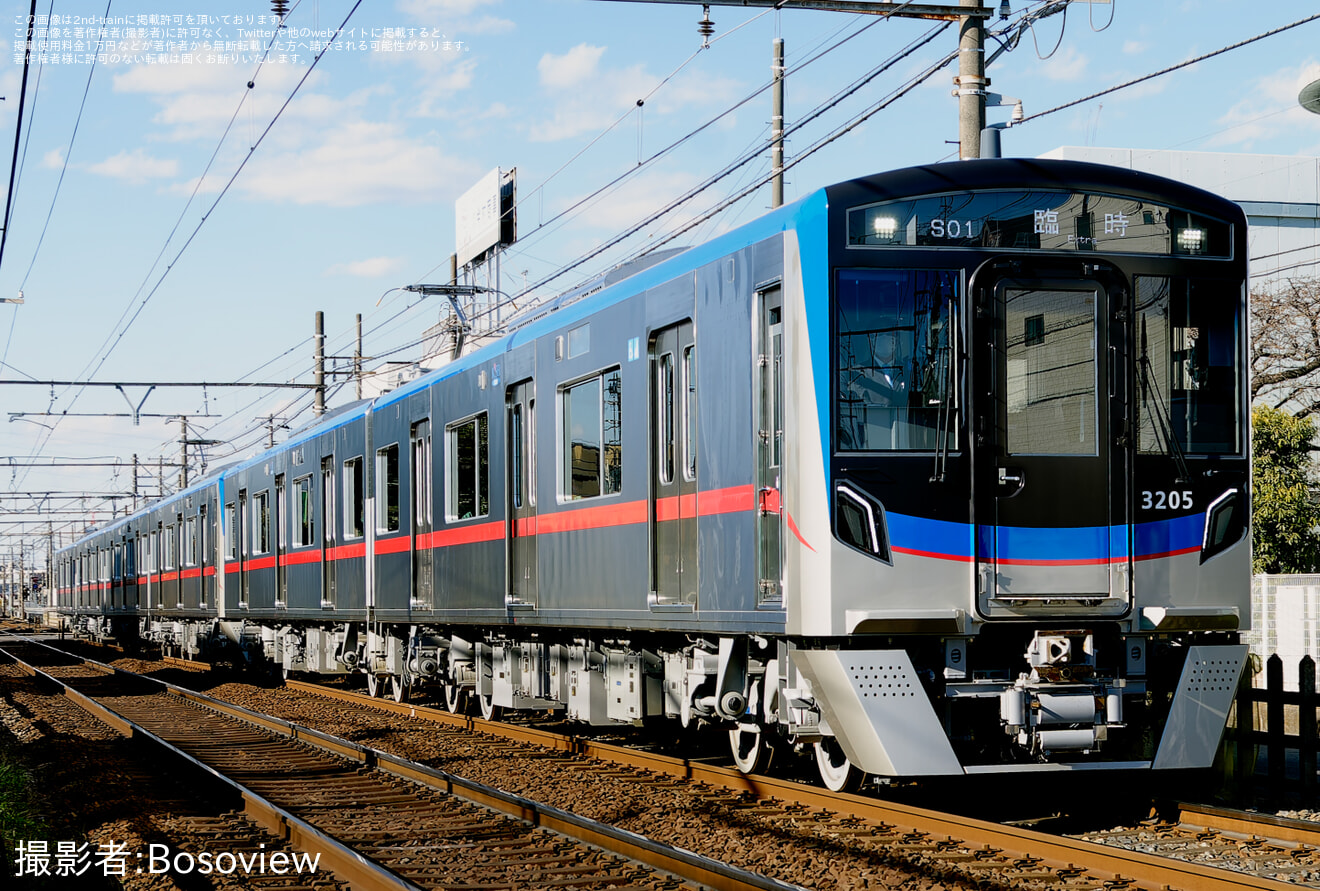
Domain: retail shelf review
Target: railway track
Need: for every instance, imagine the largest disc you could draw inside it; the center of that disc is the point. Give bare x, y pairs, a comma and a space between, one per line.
954, 848
1240, 841
377, 821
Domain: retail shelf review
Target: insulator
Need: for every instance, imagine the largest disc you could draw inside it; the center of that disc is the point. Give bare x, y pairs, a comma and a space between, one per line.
705, 27
280, 7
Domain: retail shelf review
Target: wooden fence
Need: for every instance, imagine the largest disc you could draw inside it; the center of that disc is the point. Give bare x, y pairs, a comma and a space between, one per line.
1289, 725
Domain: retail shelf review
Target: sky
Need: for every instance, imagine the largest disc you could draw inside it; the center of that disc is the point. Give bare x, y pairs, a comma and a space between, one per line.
184, 206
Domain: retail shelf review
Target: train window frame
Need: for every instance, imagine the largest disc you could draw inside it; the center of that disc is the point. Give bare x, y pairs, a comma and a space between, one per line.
467, 486
302, 512
190, 541
203, 539
945, 431
261, 543
666, 426
606, 483
388, 503
170, 549
1200, 331
231, 530
689, 400
355, 500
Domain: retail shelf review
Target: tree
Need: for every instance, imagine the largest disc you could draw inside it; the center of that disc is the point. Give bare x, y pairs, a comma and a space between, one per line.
1285, 517
1285, 346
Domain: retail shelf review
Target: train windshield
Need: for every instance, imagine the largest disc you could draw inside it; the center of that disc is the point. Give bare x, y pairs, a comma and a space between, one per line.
1188, 370
894, 359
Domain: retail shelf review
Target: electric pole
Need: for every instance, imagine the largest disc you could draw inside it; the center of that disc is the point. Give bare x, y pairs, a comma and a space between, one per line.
971, 82
319, 374
777, 125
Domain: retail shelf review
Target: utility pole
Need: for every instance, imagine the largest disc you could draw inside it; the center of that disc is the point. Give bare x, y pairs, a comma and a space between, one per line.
318, 377
183, 452
135, 482
777, 125
357, 357
971, 82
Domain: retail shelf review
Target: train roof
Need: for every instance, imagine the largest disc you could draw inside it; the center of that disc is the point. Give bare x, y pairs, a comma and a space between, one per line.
1035, 173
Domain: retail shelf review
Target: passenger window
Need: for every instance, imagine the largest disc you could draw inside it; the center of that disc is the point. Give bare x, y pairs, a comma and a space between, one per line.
469, 464
387, 489
303, 513
261, 522
231, 530
354, 499
593, 436
690, 413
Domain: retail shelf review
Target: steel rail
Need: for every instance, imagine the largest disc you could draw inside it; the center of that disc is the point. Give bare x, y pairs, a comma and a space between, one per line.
686, 865
1056, 852
1247, 823
339, 859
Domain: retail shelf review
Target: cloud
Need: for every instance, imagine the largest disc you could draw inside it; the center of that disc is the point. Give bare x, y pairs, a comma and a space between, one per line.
1135, 47
53, 159
454, 16
1067, 64
372, 267
586, 96
430, 8
570, 69
135, 167
357, 163
637, 198
1269, 108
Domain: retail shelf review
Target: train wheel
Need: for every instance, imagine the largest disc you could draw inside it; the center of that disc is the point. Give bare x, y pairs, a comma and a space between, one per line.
373, 685
752, 749
455, 699
836, 771
398, 688
489, 710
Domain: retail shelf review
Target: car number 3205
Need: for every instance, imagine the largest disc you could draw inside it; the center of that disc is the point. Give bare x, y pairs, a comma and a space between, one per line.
1175, 500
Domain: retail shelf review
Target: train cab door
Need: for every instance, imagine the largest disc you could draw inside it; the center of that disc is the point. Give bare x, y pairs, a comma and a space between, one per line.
770, 447
674, 467
328, 539
1052, 503
423, 557
520, 407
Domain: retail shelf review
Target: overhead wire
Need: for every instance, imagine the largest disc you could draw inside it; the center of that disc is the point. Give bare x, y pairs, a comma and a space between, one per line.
741, 162
1169, 69
124, 327
68, 153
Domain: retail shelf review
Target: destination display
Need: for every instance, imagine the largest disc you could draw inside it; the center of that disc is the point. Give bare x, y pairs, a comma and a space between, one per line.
1038, 221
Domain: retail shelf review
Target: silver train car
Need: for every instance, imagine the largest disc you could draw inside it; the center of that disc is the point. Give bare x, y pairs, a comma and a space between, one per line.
937, 472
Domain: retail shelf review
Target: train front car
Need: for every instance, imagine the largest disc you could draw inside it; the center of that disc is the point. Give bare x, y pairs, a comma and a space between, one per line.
1022, 542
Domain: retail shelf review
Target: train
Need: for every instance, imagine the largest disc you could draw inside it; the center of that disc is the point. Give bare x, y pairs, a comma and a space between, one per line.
936, 472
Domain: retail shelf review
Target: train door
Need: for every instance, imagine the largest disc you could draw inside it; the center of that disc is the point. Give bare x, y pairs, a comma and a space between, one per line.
423, 556
674, 477
328, 538
770, 446
1052, 507
520, 406
241, 531
281, 543
200, 544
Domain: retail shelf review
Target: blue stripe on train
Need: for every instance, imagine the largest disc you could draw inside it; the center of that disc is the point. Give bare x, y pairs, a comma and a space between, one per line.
1079, 545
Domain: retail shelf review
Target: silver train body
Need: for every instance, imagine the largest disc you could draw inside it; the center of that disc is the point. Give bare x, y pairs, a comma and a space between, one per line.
936, 472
